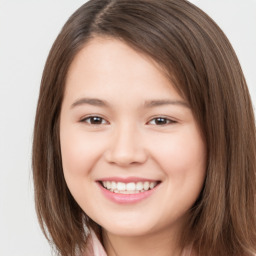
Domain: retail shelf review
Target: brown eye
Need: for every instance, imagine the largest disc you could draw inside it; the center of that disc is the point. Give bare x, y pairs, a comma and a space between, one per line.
161, 121
94, 120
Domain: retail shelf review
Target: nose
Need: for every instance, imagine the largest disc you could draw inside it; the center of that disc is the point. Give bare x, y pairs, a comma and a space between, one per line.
126, 147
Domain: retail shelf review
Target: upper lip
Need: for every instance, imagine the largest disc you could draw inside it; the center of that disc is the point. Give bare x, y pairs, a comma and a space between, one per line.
127, 179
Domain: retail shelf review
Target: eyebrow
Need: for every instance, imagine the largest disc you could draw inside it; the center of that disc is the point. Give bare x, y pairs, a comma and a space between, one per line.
89, 101
157, 103
147, 104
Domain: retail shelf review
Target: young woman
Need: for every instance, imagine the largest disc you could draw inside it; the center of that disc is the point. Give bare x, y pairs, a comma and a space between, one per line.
144, 140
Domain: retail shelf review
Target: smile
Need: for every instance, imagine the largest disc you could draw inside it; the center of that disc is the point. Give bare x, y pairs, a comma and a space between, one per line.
129, 188
127, 191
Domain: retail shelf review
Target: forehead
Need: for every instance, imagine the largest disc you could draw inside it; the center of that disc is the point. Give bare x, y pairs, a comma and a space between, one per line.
106, 54
107, 64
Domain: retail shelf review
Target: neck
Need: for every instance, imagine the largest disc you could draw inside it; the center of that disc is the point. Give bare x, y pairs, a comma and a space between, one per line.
161, 244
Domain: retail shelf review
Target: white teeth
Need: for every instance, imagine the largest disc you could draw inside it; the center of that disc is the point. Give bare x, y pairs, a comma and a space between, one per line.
146, 185
113, 185
120, 186
108, 185
139, 186
152, 185
128, 188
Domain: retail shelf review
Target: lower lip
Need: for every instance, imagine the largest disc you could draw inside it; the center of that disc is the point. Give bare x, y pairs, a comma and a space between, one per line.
126, 198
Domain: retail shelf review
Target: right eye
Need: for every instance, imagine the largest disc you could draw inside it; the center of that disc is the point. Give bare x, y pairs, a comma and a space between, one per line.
94, 120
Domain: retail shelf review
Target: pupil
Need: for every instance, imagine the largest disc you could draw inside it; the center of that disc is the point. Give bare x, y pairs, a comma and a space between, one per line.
96, 120
160, 121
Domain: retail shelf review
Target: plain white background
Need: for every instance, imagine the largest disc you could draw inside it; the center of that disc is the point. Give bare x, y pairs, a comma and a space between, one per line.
27, 31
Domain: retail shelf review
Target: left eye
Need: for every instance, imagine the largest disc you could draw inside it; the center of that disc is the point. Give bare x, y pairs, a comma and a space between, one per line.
94, 120
161, 121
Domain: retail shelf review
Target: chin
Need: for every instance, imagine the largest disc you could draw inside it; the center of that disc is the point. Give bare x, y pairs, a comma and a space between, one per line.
128, 227
125, 231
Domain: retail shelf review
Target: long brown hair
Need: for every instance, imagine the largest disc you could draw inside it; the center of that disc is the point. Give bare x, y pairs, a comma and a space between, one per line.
202, 65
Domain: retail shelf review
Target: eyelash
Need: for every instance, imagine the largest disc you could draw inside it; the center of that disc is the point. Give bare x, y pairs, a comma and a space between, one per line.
162, 121
89, 120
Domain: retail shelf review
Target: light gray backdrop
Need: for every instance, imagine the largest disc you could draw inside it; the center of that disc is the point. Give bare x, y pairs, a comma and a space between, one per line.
27, 31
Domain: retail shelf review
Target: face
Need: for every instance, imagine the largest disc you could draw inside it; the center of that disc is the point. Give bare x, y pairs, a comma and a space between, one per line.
133, 156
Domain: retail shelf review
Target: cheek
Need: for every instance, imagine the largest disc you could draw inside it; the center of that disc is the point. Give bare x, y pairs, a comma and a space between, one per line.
78, 151
79, 155
73, 155
182, 153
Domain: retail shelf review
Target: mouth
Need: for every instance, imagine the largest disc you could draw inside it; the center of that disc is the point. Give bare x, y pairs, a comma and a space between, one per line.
128, 187
127, 190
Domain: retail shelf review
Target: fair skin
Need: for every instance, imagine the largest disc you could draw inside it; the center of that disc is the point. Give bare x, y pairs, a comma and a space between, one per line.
123, 121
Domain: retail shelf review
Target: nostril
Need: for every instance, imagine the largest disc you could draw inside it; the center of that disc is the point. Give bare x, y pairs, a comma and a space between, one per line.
125, 146
126, 157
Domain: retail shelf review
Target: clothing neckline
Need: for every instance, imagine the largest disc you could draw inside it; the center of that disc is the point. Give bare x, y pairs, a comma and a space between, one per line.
95, 247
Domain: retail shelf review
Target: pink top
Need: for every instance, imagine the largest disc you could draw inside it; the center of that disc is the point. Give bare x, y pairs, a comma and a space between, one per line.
95, 247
